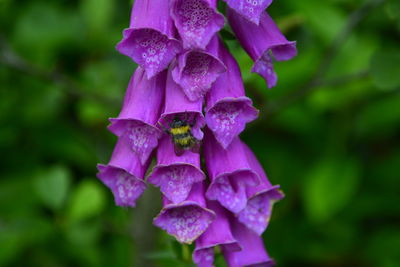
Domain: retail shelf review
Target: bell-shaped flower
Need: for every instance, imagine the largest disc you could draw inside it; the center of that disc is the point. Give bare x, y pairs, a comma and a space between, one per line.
197, 21
229, 172
177, 105
249, 9
174, 174
257, 213
124, 174
228, 109
140, 113
253, 253
196, 70
217, 234
187, 220
262, 42
150, 39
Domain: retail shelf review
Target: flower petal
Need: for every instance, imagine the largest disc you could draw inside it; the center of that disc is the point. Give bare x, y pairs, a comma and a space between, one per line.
249, 9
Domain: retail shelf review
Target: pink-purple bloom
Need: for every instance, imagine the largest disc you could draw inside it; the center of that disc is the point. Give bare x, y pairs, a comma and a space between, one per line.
138, 121
188, 86
228, 109
262, 42
249, 9
196, 20
217, 234
124, 175
253, 253
257, 213
196, 70
187, 220
174, 174
230, 173
150, 39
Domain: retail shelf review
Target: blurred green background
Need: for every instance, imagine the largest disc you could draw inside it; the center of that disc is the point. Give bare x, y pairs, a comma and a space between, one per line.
328, 134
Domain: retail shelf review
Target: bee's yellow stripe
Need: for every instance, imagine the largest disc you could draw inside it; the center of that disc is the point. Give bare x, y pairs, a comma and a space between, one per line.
180, 130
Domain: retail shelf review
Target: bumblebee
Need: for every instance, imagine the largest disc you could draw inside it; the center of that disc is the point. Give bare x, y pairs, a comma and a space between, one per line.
182, 137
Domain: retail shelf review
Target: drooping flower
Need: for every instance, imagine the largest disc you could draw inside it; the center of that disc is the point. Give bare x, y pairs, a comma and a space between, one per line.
250, 9
178, 105
228, 109
174, 174
187, 220
150, 39
261, 198
217, 234
196, 70
140, 112
229, 172
196, 20
124, 174
253, 253
262, 42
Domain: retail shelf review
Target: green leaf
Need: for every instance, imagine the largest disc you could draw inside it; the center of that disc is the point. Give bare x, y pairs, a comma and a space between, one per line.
52, 186
88, 200
329, 187
385, 69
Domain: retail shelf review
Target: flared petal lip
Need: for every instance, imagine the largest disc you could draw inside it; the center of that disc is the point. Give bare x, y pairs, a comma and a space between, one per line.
128, 31
256, 177
243, 99
270, 189
162, 166
185, 56
120, 119
235, 244
184, 204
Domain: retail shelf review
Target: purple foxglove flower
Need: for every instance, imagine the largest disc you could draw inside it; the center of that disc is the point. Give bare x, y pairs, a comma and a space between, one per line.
174, 174
196, 20
253, 253
230, 173
187, 220
228, 109
149, 40
261, 198
218, 233
250, 9
177, 104
196, 70
261, 43
140, 112
124, 174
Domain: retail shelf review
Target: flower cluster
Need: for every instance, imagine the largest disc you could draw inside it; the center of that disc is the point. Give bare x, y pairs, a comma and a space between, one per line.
187, 96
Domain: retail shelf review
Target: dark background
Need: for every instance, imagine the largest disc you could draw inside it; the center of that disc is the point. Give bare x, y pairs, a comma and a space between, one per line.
328, 134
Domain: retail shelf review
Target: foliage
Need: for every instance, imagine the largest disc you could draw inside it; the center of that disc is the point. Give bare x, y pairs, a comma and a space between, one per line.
328, 133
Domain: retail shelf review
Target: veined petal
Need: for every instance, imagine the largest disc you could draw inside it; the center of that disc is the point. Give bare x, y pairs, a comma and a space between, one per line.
262, 42
149, 40
188, 220
218, 233
197, 70
230, 173
177, 104
175, 175
123, 175
228, 109
249, 9
257, 213
140, 113
197, 21
253, 253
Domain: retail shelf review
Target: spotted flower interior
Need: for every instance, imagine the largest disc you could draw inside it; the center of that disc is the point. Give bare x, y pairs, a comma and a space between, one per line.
188, 93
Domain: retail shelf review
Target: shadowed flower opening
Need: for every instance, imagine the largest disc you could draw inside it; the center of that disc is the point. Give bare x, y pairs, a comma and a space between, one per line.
186, 222
195, 72
149, 48
176, 181
126, 187
196, 21
228, 118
